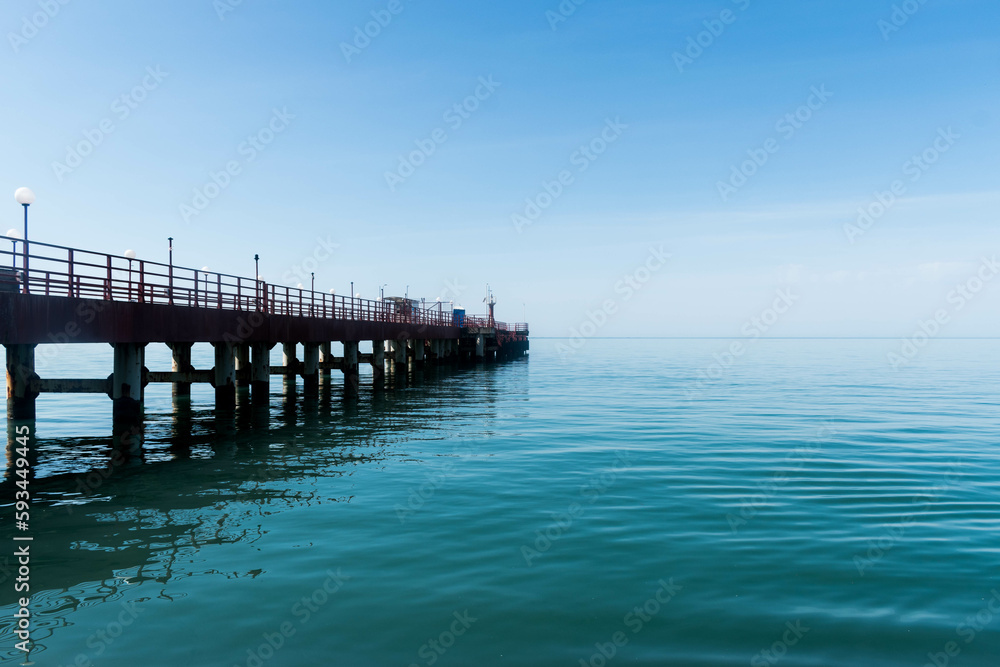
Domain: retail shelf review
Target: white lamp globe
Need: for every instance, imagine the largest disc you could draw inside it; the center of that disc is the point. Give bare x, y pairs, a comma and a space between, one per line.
333, 291
130, 254
205, 268
13, 233
24, 196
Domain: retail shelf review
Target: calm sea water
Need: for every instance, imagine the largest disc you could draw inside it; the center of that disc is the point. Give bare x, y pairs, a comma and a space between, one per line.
808, 506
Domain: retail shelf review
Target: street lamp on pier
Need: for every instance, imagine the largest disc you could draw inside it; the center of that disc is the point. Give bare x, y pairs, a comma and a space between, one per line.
25, 197
14, 235
129, 255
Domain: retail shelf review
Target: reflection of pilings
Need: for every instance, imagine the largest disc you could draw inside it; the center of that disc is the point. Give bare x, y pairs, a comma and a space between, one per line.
180, 354
126, 385
181, 425
126, 441
20, 373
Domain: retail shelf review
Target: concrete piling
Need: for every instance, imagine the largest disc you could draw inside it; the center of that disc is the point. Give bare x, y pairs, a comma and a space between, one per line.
20, 374
225, 376
126, 384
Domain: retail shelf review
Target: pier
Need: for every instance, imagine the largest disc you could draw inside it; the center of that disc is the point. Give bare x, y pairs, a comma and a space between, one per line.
61, 295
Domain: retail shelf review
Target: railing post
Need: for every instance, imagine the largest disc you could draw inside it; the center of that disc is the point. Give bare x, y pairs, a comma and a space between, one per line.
69, 278
107, 285
218, 277
170, 283
142, 281
239, 294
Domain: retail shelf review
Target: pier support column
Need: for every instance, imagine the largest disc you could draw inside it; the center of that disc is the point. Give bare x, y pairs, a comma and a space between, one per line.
242, 355
291, 364
180, 362
260, 371
20, 373
126, 383
225, 376
310, 368
351, 367
325, 357
418, 352
480, 346
378, 363
398, 352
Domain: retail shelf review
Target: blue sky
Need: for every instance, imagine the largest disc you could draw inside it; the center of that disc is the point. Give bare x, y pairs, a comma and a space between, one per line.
449, 228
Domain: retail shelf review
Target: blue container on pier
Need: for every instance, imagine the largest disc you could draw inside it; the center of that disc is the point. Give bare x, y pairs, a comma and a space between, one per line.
459, 317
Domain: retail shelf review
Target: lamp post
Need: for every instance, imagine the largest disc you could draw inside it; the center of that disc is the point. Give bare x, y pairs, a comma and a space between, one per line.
14, 236
256, 272
25, 197
170, 267
205, 270
130, 255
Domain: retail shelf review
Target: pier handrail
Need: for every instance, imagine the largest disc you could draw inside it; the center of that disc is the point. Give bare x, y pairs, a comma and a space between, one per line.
61, 271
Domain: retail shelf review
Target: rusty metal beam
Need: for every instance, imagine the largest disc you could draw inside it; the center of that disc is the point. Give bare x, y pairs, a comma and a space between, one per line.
71, 386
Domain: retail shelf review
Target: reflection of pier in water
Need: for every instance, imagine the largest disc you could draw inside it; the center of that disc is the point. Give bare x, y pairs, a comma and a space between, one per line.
101, 503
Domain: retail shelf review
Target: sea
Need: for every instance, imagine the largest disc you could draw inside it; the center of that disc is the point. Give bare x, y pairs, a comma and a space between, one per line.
605, 502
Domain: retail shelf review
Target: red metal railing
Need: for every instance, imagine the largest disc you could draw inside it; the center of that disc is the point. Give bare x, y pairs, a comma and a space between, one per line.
60, 271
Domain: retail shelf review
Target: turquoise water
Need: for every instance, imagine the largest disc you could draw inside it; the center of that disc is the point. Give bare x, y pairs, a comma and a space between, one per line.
809, 506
